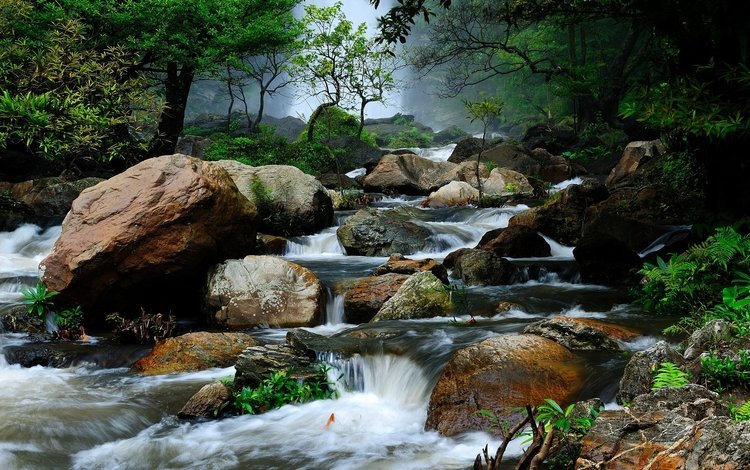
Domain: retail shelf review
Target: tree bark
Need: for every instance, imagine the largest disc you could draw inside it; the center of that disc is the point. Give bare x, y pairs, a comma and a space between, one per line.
314, 118
176, 90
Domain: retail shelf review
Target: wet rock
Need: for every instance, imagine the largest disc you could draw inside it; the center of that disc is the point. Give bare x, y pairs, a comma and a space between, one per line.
194, 351
271, 244
256, 363
292, 203
582, 334
370, 232
367, 296
465, 149
562, 218
637, 378
454, 194
153, 230
263, 291
463, 172
449, 134
501, 374
604, 220
515, 242
683, 428
397, 263
207, 402
606, 260
554, 168
336, 181
310, 344
504, 181
14, 213
553, 138
635, 155
706, 338
483, 268
38, 354
407, 174
423, 295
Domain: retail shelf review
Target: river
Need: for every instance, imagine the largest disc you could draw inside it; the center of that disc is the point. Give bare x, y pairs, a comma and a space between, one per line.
96, 416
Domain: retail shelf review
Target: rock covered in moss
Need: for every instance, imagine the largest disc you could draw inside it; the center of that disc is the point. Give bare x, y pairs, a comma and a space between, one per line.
423, 295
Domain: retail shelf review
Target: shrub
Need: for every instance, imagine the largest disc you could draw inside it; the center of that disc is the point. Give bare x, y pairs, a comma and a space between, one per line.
411, 137
669, 375
37, 299
723, 373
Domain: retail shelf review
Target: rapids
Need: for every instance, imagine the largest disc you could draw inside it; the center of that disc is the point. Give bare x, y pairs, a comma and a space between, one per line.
93, 417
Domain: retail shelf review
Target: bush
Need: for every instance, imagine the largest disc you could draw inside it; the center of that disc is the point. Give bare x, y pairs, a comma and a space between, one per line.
411, 137
280, 389
724, 373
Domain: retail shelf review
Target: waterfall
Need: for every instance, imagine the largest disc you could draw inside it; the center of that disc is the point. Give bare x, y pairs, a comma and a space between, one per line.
334, 309
325, 243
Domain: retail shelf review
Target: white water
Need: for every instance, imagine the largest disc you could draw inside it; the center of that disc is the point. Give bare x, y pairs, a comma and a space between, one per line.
325, 243
334, 309
564, 184
558, 250
436, 154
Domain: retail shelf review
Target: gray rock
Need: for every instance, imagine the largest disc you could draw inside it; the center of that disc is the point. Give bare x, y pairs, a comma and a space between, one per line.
638, 375
707, 337
207, 402
370, 232
423, 295
484, 268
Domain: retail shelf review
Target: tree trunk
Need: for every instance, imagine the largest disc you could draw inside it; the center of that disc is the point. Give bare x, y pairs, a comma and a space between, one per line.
314, 118
261, 106
231, 98
176, 90
361, 119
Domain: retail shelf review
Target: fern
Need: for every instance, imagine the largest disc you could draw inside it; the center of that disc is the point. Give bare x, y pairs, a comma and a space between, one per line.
669, 375
741, 413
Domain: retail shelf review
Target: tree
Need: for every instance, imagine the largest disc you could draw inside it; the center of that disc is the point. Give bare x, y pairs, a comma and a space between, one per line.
339, 65
485, 111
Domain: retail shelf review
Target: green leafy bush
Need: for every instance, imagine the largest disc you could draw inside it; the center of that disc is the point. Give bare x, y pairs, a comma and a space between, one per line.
37, 299
410, 138
669, 375
587, 154
723, 373
555, 418
280, 389
740, 413
69, 319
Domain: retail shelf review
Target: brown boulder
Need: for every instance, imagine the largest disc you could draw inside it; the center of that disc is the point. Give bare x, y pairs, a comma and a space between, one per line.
465, 149
408, 174
517, 241
582, 334
483, 268
511, 157
49, 198
397, 263
194, 351
133, 239
501, 374
363, 300
634, 156
554, 168
453, 194
207, 402
504, 181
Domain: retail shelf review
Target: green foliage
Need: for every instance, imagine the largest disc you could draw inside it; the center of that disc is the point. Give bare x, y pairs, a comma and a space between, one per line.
692, 281
69, 319
669, 375
280, 389
490, 166
410, 138
63, 98
563, 421
740, 413
37, 299
681, 172
587, 154
735, 306
723, 373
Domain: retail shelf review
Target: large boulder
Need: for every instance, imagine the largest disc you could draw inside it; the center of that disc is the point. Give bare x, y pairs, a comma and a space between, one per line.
465, 149
50, 199
511, 157
553, 138
449, 135
14, 213
670, 429
606, 219
502, 374
554, 168
582, 334
397, 263
562, 218
635, 155
515, 242
504, 181
263, 291
289, 201
407, 173
147, 233
194, 351
367, 296
483, 268
453, 194
207, 402
707, 337
423, 295
371, 232
256, 363
637, 378
605, 260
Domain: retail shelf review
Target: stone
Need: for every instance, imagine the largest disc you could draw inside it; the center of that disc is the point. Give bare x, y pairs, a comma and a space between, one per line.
449, 134
637, 378
271, 244
422, 295
263, 291
706, 338
554, 168
336, 181
256, 363
635, 155
193, 352
292, 202
582, 334
407, 174
453, 194
605, 260
153, 230
465, 149
367, 296
553, 138
371, 232
515, 242
397, 263
483, 268
193, 146
671, 429
207, 402
500, 375
504, 181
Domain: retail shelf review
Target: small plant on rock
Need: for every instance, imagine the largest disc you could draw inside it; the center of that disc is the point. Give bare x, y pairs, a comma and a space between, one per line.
146, 328
669, 375
37, 300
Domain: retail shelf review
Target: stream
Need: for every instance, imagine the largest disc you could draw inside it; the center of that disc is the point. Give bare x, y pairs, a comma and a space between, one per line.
92, 416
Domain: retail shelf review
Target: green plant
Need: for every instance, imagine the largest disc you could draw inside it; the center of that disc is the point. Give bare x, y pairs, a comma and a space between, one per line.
490, 166
669, 375
412, 137
511, 188
587, 154
146, 328
37, 300
69, 319
740, 413
723, 373
281, 388
563, 420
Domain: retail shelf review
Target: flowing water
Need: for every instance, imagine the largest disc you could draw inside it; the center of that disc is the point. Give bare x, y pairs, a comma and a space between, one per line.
94, 417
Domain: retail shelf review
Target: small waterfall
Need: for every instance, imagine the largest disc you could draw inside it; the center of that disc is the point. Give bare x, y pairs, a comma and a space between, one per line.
557, 250
334, 309
325, 243
436, 154
395, 379
564, 184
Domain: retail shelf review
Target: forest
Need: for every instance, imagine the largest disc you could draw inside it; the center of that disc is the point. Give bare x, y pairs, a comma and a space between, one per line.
374, 234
